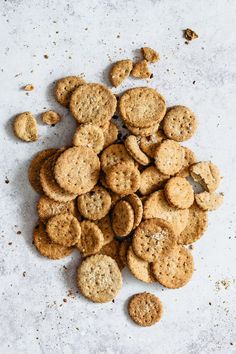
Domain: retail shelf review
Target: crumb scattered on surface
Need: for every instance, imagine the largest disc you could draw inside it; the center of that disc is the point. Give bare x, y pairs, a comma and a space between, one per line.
46, 56
24, 274
28, 87
222, 284
190, 35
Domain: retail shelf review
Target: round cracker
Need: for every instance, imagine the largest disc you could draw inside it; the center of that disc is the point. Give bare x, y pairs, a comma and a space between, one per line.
145, 309
134, 150
179, 192
25, 127
139, 268
142, 107
143, 131
209, 201
104, 225
77, 169
90, 136
91, 239
175, 269
47, 208
64, 88
169, 157
51, 117
189, 159
120, 71
114, 154
122, 218
207, 174
110, 135
99, 278
149, 144
137, 207
151, 180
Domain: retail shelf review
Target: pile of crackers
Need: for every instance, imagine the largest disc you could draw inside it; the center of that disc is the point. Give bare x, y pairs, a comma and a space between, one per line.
123, 202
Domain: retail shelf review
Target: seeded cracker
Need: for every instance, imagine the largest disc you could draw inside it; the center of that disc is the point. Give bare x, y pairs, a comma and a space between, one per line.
114, 154
179, 193
143, 131
25, 127
123, 250
120, 71
134, 150
141, 70
149, 144
189, 159
209, 201
137, 207
111, 249
91, 240
90, 136
150, 54
207, 174
64, 88
110, 135
169, 157
139, 268
104, 225
122, 218
47, 208
151, 180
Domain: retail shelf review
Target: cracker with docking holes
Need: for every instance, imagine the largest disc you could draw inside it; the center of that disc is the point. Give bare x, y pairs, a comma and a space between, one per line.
110, 135
47, 208
179, 192
64, 88
143, 131
139, 268
150, 54
51, 117
114, 154
122, 218
169, 157
207, 174
189, 159
120, 71
104, 225
90, 136
149, 144
151, 180
25, 127
141, 70
111, 249
132, 146
91, 239
137, 207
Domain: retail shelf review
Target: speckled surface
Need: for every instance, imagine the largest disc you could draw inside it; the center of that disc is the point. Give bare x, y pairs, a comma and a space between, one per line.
83, 37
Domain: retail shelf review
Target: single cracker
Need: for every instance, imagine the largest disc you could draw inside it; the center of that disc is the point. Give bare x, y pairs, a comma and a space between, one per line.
47, 208
94, 205
145, 309
137, 207
122, 218
189, 159
25, 127
207, 174
156, 206
120, 71
51, 117
50, 187
111, 249
91, 239
104, 225
150, 54
92, 103
174, 270
179, 123
142, 107
90, 136
64, 88
132, 146
77, 169
196, 226
151, 180
143, 131
139, 268
99, 278
169, 157
179, 193
35, 166
209, 201
113, 155
141, 70
123, 250
64, 229
123, 178
153, 238
46, 247
110, 135
149, 144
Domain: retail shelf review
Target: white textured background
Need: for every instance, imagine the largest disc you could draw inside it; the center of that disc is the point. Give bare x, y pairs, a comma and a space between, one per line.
81, 37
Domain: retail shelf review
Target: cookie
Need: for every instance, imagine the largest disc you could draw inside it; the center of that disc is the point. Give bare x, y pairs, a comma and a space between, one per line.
179, 123
123, 250
137, 207
77, 170
49, 184
151, 180
99, 278
104, 225
156, 206
94, 205
91, 239
153, 238
110, 135
113, 155
207, 174
142, 107
123, 178
169, 157
179, 193
92, 103
141, 70
150, 54
143, 131
209, 201
51, 117
145, 309
196, 225
122, 218
47, 208
174, 270
132, 146
120, 71
35, 166
64, 229
189, 159
111, 249
90, 136
149, 144
46, 247
64, 88
25, 127
139, 268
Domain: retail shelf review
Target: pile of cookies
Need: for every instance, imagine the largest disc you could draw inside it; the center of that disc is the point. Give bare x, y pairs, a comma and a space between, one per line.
123, 202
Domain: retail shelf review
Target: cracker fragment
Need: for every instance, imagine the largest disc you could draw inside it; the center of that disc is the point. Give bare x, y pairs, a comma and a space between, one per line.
209, 201
91, 239
25, 127
120, 71
51, 117
141, 70
139, 268
150, 54
151, 180
47, 208
114, 154
122, 218
190, 35
207, 174
179, 192
90, 136
132, 146
110, 135
64, 88
169, 157
189, 159
137, 207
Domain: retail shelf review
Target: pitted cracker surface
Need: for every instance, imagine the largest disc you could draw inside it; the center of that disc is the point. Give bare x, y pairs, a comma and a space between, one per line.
132, 146
25, 127
91, 239
122, 218
90, 136
65, 87
151, 180
179, 192
120, 71
150, 54
169, 157
207, 174
114, 154
139, 268
47, 208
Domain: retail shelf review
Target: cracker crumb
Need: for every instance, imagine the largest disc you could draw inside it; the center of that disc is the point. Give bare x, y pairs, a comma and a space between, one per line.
46, 56
222, 284
24, 274
28, 87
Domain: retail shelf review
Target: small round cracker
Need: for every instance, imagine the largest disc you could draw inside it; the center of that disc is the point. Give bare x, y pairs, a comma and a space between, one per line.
137, 207
25, 127
94, 205
122, 218
35, 166
145, 309
91, 239
151, 180
139, 268
120, 71
99, 278
92, 103
179, 123
189, 159
46, 246
113, 155
143, 131
110, 135
104, 225
169, 157
149, 144
174, 270
90, 136
47, 208
134, 150
209, 201
64, 88
51, 117
142, 107
77, 169
179, 192
207, 174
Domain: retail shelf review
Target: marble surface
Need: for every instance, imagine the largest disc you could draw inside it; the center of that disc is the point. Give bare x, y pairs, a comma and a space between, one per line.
85, 37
